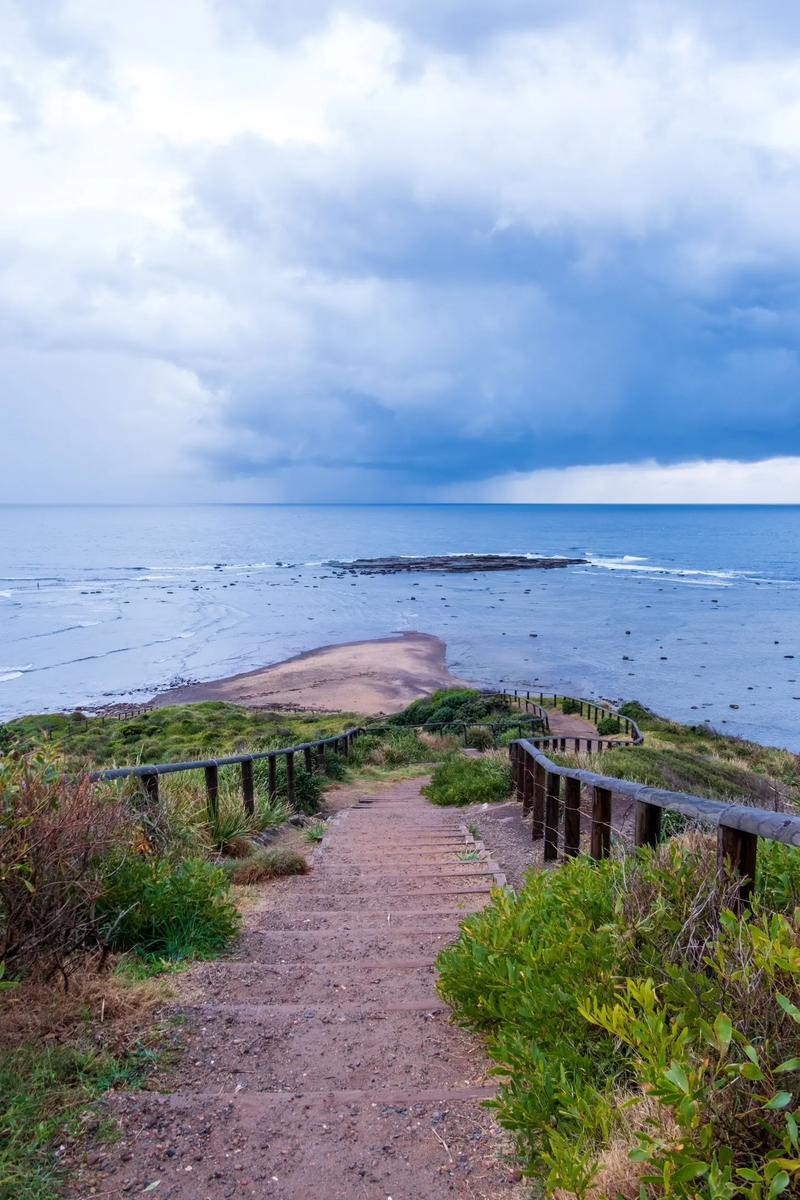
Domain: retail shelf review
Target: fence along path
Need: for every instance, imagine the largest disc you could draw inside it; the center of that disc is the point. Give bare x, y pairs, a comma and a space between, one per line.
319, 1060
552, 797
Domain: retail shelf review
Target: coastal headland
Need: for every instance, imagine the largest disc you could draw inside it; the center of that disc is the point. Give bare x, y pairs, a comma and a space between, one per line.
372, 677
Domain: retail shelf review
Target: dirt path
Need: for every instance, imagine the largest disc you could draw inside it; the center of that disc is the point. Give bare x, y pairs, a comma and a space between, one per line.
319, 1061
570, 725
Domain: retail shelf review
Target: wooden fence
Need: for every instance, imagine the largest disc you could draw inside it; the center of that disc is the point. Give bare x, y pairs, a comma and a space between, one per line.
313, 752
557, 817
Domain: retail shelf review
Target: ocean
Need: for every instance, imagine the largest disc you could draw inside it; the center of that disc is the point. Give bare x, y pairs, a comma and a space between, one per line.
695, 611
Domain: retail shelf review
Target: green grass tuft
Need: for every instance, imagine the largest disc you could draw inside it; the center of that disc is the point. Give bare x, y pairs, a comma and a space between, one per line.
460, 780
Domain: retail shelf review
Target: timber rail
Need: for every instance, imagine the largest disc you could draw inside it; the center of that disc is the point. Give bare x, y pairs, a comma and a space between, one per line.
538, 783
149, 773
592, 710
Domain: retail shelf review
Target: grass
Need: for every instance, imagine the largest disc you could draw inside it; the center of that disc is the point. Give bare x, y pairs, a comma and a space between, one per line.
58, 1054
264, 864
694, 758
316, 832
44, 1097
184, 731
460, 781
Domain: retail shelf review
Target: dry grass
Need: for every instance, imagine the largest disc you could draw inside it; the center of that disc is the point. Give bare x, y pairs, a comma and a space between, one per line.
264, 865
616, 1175
104, 1009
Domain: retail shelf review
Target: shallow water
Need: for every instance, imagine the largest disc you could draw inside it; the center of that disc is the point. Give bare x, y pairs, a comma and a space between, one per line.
690, 610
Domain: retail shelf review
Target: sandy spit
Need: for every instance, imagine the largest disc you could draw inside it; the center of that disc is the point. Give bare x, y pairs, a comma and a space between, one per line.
372, 677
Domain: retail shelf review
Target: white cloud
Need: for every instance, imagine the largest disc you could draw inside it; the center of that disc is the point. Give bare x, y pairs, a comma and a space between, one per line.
191, 201
718, 481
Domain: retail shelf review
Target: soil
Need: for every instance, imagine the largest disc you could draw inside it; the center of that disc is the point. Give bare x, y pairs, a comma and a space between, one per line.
318, 1059
372, 678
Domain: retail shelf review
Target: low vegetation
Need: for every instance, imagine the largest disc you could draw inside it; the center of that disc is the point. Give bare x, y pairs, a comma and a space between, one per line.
695, 758
264, 864
459, 780
457, 709
658, 1056
179, 733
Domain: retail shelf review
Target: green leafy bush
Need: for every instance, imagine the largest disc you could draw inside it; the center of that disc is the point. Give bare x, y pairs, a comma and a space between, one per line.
173, 910
608, 726
459, 780
647, 1037
466, 706
54, 832
570, 706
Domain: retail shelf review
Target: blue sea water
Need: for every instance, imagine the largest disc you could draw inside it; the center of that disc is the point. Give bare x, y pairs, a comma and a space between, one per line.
690, 609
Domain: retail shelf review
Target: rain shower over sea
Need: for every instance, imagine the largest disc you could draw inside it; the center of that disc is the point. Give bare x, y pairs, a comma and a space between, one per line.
695, 611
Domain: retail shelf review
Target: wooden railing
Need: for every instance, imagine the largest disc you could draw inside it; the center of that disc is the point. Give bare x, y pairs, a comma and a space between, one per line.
149, 774
554, 817
592, 711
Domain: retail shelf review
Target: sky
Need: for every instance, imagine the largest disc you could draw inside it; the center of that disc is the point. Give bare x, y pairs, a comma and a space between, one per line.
407, 250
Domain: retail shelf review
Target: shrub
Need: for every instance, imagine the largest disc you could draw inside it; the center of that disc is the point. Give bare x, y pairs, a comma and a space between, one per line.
480, 737
608, 726
460, 780
335, 765
178, 910
668, 1032
53, 834
569, 706
466, 706
265, 864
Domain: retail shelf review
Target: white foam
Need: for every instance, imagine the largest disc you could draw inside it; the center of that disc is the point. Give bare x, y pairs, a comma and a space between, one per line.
630, 562
7, 673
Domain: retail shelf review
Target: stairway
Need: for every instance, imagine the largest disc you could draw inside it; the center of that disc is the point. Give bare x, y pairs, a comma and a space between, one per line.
320, 1062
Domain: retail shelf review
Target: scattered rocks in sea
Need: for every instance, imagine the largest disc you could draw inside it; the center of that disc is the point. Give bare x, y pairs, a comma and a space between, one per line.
455, 564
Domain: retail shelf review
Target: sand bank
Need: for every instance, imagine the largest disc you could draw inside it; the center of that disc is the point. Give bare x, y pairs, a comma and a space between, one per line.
374, 677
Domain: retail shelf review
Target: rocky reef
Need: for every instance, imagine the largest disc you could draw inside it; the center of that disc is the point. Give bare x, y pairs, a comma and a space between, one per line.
454, 564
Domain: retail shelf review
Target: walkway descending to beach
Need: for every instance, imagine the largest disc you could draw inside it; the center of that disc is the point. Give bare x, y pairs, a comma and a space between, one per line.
320, 1061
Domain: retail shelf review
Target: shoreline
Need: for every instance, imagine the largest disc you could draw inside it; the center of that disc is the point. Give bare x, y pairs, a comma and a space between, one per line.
373, 677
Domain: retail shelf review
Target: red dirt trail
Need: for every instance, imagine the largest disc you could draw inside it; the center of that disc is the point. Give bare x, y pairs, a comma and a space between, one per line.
319, 1062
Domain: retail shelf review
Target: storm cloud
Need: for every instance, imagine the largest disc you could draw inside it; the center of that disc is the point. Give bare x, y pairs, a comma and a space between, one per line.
368, 250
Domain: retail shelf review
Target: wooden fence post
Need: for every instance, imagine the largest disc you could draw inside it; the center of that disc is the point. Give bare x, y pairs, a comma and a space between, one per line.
572, 817
308, 758
150, 785
248, 791
648, 824
601, 823
272, 787
290, 793
551, 815
537, 824
212, 789
527, 785
738, 850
